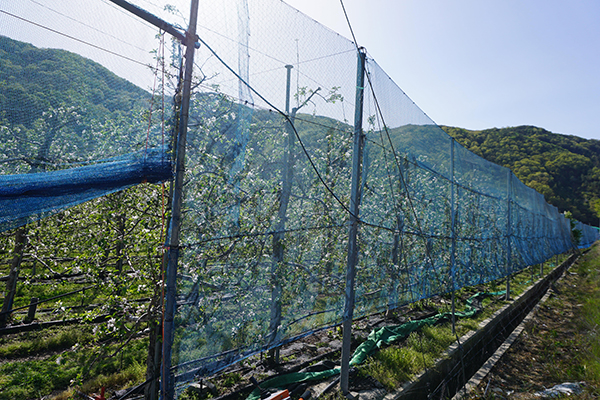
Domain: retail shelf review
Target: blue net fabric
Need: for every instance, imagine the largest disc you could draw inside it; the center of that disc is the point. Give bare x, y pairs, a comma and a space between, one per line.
264, 237
82, 110
265, 218
27, 197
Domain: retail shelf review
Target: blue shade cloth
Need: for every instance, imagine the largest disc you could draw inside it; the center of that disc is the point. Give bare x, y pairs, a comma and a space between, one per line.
27, 197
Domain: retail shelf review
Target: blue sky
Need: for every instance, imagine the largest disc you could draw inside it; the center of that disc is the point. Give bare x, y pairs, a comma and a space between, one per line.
481, 64
474, 64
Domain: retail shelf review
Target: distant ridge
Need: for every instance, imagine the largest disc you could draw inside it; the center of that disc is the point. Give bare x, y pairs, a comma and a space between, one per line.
564, 168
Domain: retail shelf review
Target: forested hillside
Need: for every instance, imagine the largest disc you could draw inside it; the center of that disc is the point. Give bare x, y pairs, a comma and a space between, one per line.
43, 79
564, 168
58, 108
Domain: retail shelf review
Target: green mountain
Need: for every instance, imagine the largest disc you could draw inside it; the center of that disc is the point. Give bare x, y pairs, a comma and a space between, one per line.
564, 168
34, 80
58, 108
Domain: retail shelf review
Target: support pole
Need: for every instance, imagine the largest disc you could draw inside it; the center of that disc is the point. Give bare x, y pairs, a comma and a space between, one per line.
508, 233
453, 235
168, 381
287, 88
32, 309
287, 173
153, 19
353, 230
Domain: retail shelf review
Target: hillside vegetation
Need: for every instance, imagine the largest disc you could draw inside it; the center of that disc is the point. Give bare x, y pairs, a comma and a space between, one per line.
58, 108
564, 168
34, 80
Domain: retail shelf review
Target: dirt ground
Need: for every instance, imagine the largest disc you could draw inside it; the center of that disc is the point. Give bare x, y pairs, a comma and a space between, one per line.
547, 351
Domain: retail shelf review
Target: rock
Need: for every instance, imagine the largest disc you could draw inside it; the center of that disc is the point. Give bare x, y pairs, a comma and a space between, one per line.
372, 394
567, 388
204, 387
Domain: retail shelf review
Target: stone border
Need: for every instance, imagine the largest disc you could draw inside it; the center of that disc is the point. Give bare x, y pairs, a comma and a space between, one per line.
465, 357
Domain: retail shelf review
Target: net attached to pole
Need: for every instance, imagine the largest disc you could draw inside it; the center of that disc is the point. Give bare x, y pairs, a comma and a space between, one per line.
267, 204
81, 113
265, 231
267, 188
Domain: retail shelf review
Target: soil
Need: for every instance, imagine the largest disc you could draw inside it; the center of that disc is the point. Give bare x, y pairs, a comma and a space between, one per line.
545, 354
318, 351
548, 351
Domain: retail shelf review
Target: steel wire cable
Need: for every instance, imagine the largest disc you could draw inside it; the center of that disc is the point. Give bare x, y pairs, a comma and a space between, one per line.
75, 38
90, 26
126, 14
313, 166
368, 75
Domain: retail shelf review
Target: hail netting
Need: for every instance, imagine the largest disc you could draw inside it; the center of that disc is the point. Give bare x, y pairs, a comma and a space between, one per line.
84, 120
266, 196
265, 228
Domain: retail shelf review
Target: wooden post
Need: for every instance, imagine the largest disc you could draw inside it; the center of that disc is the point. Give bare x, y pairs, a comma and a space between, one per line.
13, 276
33, 303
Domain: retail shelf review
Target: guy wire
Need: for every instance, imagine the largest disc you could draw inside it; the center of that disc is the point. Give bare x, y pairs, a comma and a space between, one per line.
287, 118
390, 142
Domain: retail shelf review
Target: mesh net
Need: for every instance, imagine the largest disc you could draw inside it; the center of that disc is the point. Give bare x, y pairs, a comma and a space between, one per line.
266, 224
264, 234
71, 129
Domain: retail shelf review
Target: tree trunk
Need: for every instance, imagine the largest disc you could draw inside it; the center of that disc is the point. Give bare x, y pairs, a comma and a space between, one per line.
11, 283
153, 361
119, 252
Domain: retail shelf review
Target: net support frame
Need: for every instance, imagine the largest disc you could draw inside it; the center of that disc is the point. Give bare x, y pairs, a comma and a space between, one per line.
353, 228
167, 378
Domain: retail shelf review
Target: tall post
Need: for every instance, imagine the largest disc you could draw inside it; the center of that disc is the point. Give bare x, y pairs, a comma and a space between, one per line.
353, 230
287, 172
287, 88
508, 233
453, 235
167, 383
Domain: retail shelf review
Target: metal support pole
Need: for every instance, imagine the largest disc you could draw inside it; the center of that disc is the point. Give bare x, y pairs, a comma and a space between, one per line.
508, 233
353, 230
167, 383
453, 235
287, 172
287, 88
153, 19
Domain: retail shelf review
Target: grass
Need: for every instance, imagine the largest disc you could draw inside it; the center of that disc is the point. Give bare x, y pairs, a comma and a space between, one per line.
393, 365
560, 344
398, 363
47, 371
33, 343
589, 321
34, 378
59, 358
